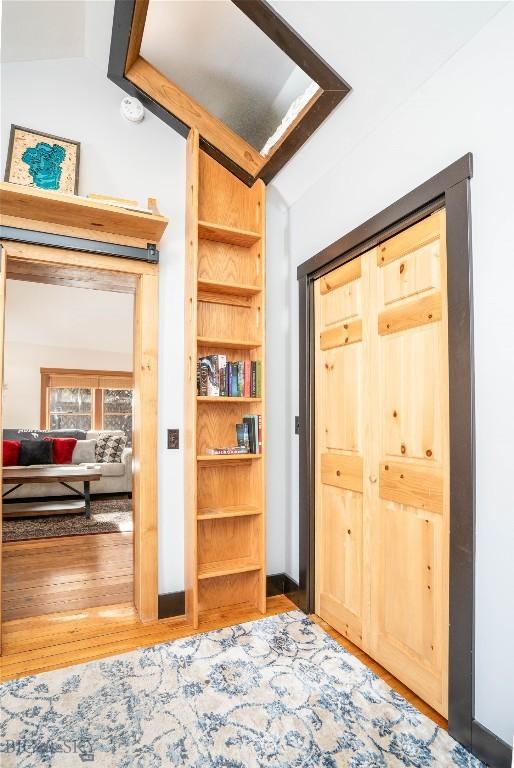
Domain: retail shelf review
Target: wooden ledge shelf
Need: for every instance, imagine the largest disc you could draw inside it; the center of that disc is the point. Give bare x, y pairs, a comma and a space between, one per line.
228, 289
221, 399
229, 235
58, 208
207, 341
205, 457
222, 513
227, 567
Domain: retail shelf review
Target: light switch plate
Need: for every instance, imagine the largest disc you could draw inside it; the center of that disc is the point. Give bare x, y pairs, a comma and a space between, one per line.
173, 439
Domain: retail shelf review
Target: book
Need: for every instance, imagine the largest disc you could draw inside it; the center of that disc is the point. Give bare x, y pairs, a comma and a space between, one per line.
259, 433
234, 388
242, 435
231, 450
247, 376
240, 378
228, 379
258, 374
253, 371
204, 375
248, 420
213, 389
223, 381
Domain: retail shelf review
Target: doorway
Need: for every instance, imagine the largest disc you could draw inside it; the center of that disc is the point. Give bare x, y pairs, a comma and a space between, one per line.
67, 428
448, 190
55, 266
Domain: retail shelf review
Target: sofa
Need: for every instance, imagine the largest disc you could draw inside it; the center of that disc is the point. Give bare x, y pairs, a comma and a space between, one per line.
116, 476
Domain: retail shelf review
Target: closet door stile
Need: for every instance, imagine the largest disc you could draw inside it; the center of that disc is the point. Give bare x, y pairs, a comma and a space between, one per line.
339, 454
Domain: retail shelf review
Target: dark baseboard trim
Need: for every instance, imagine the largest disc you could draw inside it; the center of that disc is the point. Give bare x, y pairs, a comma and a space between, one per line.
490, 748
173, 603
280, 584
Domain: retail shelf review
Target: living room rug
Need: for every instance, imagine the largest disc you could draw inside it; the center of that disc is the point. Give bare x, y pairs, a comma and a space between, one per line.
107, 516
273, 693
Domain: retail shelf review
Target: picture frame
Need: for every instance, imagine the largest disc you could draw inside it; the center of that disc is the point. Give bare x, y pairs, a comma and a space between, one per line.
43, 161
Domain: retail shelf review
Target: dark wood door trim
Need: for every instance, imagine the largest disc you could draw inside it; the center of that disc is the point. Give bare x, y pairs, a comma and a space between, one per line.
449, 188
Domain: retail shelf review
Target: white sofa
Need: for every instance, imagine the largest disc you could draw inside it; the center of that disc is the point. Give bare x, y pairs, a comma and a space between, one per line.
116, 478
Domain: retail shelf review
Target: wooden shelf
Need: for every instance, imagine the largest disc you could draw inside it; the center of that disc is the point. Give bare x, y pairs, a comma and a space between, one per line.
58, 208
225, 279
210, 513
228, 289
206, 341
227, 567
228, 456
219, 400
230, 235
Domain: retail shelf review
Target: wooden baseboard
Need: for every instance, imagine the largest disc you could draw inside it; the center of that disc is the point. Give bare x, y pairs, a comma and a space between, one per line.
172, 604
490, 748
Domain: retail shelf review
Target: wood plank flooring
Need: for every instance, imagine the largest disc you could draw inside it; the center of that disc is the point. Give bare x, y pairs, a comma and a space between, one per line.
62, 639
59, 640
43, 576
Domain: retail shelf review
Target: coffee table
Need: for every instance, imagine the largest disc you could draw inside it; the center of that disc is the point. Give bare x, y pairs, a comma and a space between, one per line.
44, 474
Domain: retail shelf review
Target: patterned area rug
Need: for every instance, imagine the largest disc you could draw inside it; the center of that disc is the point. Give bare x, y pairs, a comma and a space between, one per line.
274, 693
107, 516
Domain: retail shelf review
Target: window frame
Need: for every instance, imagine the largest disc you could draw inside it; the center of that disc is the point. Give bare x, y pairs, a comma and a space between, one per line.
84, 379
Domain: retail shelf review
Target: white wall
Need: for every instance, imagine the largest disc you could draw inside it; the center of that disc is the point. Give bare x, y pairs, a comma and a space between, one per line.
61, 316
54, 326
22, 379
466, 106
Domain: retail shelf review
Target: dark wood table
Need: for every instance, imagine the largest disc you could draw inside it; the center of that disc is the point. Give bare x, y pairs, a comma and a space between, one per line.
18, 476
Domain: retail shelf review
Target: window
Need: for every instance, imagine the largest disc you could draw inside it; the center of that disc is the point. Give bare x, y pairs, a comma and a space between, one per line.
117, 411
70, 408
74, 399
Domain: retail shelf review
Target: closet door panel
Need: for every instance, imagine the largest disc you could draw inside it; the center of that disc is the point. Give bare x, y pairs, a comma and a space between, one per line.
408, 618
339, 427
406, 602
341, 373
411, 378
341, 552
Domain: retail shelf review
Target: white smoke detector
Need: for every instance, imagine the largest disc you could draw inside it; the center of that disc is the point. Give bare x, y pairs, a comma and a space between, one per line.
132, 109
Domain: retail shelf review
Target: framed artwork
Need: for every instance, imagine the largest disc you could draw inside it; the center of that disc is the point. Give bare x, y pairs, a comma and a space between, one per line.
40, 160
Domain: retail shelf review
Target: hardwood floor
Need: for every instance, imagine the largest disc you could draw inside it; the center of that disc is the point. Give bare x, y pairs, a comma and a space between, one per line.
62, 639
59, 640
42, 576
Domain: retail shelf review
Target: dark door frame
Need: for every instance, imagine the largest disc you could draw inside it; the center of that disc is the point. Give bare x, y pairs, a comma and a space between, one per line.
449, 188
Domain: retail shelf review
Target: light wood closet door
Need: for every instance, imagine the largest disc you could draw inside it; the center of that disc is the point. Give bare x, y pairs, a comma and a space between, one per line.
339, 459
396, 391
408, 627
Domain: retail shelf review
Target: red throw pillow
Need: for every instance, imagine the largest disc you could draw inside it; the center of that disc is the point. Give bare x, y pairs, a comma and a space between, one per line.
62, 449
11, 454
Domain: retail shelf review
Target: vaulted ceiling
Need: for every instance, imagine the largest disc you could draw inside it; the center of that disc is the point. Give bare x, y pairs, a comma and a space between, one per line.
386, 50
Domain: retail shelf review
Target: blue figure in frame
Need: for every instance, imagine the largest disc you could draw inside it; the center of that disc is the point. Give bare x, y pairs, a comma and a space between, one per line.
44, 161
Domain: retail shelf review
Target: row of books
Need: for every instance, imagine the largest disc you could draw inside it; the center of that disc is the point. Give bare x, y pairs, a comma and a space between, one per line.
248, 436
218, 377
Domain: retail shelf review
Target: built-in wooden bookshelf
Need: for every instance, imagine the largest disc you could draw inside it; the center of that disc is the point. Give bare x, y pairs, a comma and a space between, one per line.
224, 494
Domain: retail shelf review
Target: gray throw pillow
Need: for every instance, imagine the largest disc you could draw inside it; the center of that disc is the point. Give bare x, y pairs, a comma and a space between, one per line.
84, 452
109, 448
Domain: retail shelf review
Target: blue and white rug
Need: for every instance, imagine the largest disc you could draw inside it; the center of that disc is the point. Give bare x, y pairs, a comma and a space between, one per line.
274, 693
